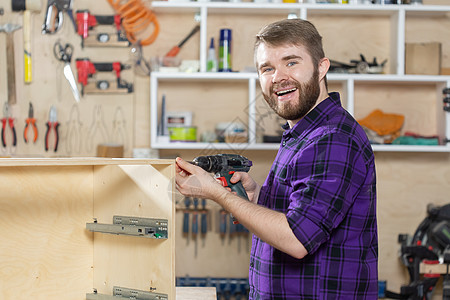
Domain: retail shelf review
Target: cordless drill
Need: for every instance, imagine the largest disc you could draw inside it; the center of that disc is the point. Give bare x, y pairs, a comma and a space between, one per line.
224, 166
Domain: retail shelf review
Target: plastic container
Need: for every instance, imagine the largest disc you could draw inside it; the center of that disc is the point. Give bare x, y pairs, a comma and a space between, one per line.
211, 64
225, 51
183, 134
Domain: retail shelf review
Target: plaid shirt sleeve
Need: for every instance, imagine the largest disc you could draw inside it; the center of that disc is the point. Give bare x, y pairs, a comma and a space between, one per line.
326, 178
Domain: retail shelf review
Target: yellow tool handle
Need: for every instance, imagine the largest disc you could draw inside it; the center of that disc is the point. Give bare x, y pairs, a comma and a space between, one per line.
27, 46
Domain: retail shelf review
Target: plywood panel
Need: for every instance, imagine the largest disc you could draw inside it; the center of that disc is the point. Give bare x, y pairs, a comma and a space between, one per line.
138, 191
45, 252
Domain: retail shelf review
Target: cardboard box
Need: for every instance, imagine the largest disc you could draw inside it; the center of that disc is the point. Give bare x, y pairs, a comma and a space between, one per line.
46, 251
423, 58
445, 71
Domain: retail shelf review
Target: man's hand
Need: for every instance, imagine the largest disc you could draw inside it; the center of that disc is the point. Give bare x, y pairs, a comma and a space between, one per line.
193, 181
250, 186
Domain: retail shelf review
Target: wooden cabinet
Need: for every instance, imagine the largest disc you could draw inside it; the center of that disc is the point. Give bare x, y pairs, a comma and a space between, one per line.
46, 251
348, 30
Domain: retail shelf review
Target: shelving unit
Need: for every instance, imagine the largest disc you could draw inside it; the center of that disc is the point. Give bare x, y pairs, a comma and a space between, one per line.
397, 14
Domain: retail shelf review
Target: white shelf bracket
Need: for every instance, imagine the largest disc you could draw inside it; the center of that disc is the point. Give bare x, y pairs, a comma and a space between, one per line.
398, 39
252, 111
203, 37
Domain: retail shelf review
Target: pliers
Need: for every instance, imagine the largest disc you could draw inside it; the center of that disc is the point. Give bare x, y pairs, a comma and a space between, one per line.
30, 122
54, 17
10, 121
52, 124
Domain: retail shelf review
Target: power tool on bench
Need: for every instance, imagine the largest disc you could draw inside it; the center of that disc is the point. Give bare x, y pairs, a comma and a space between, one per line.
87, 69
86, 22
428, 247
224, 166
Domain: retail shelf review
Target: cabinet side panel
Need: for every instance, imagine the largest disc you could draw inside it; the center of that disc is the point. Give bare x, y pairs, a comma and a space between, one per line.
133, 262
45, 252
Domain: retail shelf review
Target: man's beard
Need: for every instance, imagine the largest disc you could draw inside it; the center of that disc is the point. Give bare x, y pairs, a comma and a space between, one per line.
308, 95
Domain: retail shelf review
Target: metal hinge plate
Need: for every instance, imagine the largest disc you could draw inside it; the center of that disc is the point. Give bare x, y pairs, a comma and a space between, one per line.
145, 227
125, 293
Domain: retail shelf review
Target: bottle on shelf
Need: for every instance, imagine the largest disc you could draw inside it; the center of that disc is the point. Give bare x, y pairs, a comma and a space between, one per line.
211, 65
225, 51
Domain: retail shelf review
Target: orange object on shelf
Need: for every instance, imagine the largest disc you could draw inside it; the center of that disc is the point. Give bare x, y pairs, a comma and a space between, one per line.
383, 123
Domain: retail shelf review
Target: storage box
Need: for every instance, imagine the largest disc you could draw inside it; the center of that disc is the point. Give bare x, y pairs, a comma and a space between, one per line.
423, 58
46, 252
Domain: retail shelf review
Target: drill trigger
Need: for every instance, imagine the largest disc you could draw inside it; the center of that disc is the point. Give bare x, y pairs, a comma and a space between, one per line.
224, 181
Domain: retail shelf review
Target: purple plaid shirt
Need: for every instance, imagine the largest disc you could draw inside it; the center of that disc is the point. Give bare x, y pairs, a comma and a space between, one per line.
323, 179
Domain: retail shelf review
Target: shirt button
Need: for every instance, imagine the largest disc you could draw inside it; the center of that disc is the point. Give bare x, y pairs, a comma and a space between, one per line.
252, 264
284, 143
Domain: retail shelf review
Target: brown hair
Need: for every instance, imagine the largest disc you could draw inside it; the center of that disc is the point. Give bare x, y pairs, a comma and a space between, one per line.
292, 32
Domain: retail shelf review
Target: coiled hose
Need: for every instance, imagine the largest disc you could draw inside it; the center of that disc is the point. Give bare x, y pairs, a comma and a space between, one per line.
136, 17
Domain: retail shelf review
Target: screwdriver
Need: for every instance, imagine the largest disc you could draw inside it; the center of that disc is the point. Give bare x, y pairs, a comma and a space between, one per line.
187, 203
204, 224
195, 225
232, 229
223, 224
174, 51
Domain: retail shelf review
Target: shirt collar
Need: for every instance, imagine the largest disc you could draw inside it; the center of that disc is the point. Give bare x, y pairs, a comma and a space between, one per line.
314, 116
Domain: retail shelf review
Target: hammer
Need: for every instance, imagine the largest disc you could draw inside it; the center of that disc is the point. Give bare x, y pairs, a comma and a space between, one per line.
10, 68
26, 6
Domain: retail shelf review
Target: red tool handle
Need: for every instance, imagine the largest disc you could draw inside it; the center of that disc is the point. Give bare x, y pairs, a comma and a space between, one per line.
30, 122
173, 52
47, 133
11, 125
56, 125
51, 125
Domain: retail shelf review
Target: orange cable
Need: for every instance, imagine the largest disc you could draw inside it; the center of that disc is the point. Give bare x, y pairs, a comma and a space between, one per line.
135, 18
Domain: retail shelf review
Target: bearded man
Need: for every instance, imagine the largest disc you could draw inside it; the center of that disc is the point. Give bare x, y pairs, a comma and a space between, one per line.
314, 219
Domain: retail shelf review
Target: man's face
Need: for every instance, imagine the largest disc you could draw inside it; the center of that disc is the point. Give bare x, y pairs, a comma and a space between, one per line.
289, 80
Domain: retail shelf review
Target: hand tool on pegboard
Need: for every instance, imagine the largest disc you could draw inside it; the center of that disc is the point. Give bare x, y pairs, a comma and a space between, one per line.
119, 131
27, 6
195, 225
73, 137
204, 222
8, 121
187, 204
87, 21
52, 126
30, 125
86, 69
10, 62
232, 230
54, 17
223, 224
176, 49
97, 126
64, 54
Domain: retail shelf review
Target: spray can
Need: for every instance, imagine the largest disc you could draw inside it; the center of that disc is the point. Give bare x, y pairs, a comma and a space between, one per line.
225, 51
211, 64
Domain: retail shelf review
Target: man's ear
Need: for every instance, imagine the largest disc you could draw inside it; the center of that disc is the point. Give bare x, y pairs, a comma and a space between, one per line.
324, 65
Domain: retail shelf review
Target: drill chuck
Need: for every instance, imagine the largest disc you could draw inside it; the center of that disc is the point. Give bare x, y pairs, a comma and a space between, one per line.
208, 163
219, 162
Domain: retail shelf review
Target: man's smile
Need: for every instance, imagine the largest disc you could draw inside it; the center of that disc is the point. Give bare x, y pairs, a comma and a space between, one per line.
285, 92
